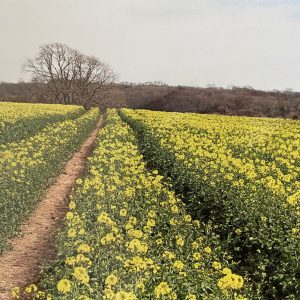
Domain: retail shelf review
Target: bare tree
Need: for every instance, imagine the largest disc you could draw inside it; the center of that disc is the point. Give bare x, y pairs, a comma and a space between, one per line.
66, 76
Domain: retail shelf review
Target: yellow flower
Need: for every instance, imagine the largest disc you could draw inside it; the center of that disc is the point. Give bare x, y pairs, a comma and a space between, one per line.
15, 292
109, 294
141, 286
40, 294
133, 220
103, 241
231, 281
103, 217
137, 262
159, 241
151, 214
81, 231
111, 280
81, 258
173, 221
137, 245
128, 226
151, 223
207, 250
196, 256
195, 245
123, 212
81, 274
191, 297
263, 218
125, 296
179, 265
292, 200
216, 265
64, 286
71, 233
180, 241
175, 209
79, 181
238, 231
83, 248
197, 223
173, 296
135, 233
72, 205
226, 271
31, 288
197, 265
69, 215
147, 229
187, 218
70, 261
169, 255
162, 289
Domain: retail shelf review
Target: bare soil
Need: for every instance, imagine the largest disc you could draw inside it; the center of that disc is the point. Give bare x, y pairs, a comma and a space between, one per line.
35, 244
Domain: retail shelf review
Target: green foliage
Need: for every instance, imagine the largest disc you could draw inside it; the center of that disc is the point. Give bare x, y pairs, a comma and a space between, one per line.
255, 214
125, 226
28, 165
21, 120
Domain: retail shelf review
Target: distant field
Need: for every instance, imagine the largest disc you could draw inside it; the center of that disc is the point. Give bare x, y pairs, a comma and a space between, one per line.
127, 235
171, 205
35, 140
20, 120
242, 175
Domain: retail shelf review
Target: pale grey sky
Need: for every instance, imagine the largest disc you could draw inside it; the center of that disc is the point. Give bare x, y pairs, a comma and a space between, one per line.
187, 42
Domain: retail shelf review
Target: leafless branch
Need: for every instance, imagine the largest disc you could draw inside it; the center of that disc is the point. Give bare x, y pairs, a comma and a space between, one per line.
67, 76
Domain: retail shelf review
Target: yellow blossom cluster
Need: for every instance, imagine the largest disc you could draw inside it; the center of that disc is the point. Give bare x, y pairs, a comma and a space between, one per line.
242, 175
134, 237
28, 164
22, 120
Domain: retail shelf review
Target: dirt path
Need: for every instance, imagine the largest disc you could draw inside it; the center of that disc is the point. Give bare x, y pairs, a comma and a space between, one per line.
35, 245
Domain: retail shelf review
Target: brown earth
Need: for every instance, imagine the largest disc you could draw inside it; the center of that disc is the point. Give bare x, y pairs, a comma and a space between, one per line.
35, 244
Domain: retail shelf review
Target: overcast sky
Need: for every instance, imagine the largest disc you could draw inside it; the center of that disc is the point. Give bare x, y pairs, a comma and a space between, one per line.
187, 42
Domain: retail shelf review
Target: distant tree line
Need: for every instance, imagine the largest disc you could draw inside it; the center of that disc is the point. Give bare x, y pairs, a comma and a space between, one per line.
244, 101
61, 74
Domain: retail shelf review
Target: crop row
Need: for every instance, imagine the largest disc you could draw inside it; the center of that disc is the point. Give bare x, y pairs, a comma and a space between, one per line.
241, 174
127, 236
22, 120
28, 165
